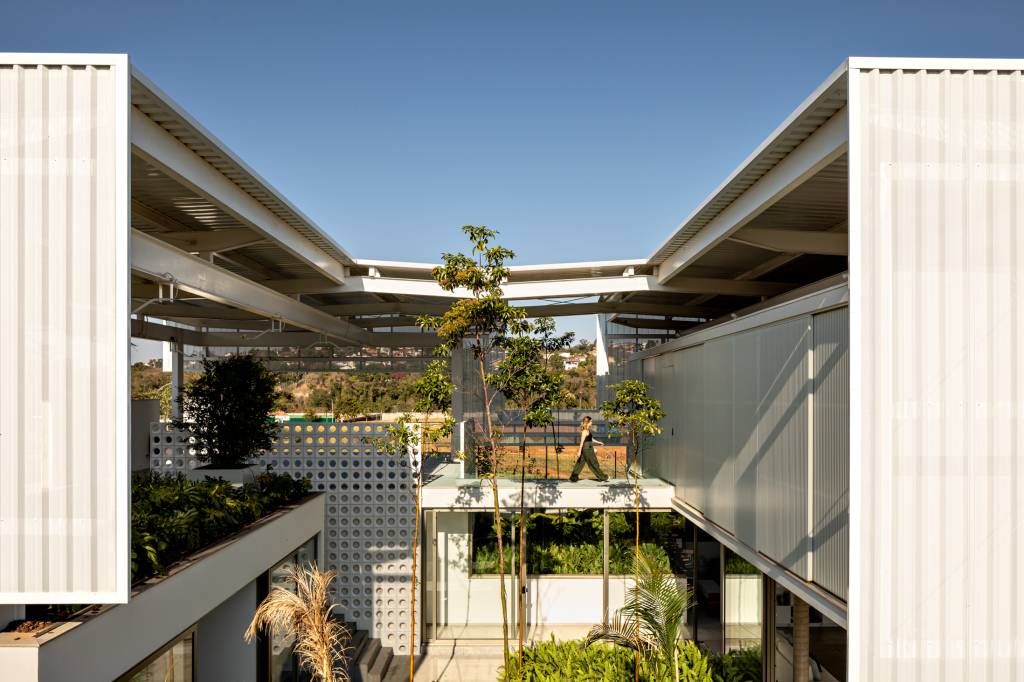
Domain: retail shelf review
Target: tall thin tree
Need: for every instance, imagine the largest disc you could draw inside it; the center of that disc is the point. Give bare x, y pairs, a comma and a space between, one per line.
635, 414
481, 323
535, 389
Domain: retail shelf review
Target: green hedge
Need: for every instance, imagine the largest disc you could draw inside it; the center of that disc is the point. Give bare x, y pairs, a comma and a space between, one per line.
569, 543
173, 517
570, 661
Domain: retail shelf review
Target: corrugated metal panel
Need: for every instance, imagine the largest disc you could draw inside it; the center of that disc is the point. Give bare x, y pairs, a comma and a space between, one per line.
783, 441
691, 385
63, 332
937, 327
651, 462
831, 451
719, 453
745, 442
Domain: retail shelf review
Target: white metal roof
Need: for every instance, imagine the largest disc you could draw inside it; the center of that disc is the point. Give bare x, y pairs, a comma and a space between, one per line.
702, 265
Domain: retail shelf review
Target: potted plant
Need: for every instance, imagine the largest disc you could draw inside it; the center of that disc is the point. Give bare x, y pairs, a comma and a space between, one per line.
227, 410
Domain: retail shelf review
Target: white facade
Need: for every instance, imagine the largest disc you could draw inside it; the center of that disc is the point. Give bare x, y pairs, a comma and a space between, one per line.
858, 440
936, 421
64, 291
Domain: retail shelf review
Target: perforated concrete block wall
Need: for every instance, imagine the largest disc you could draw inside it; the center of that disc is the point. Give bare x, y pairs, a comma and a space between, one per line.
369, 517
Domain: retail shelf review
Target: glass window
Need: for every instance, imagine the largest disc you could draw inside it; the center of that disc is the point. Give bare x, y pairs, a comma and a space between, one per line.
172, 664
708, 592
283, 665
565, 589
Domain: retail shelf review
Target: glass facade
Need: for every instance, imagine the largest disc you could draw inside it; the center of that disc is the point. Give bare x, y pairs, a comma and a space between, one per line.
174, 663
826, 641
281, 663
578, 566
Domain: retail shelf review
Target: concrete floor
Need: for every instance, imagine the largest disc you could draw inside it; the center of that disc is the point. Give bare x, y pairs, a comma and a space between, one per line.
460, 664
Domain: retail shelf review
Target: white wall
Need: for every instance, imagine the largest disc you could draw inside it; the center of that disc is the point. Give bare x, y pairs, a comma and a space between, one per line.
937, 378
64, 340
468, 600
739, 442
221, 652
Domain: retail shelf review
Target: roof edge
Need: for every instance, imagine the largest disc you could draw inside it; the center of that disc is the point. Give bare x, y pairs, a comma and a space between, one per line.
801, 110
213, 140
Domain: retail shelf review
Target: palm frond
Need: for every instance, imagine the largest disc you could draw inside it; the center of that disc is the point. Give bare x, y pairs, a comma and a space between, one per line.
305, 616
652, 618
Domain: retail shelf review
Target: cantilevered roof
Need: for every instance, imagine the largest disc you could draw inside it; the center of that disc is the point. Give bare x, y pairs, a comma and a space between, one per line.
158, 106
820, 106
730, 253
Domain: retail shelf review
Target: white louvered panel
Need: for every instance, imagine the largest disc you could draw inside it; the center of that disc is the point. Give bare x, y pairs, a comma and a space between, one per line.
63, 329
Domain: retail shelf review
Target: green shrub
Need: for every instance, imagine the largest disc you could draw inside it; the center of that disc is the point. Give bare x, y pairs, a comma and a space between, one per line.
173, 517
228, 407
741, 665
570, 661
737, 565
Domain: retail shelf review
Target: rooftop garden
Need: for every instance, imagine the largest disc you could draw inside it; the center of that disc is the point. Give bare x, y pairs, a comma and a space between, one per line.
173, 517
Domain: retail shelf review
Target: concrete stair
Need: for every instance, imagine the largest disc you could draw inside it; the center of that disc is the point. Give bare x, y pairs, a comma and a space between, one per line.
369, 661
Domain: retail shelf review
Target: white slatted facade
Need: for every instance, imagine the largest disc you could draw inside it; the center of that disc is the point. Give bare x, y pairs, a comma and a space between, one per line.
936, 331
754, 440
63, 329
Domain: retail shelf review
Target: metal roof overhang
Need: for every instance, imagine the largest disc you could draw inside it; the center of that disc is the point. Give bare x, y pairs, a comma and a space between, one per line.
777, 223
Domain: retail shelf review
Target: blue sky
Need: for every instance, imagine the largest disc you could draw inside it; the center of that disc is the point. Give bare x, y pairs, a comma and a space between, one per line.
580, 130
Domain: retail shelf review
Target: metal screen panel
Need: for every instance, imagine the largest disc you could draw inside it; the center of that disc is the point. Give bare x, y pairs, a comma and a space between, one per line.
368, 517
831, 416
936, 332
64, 340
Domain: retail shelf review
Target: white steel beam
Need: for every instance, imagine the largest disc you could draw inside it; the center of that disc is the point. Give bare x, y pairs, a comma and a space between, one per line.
161, 149
145, 329
158, 259
549, 310
823, 147
563, 288
214, 241
793, 241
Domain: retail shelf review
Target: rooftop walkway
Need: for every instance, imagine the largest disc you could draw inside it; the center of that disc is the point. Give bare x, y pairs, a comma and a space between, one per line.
444, 490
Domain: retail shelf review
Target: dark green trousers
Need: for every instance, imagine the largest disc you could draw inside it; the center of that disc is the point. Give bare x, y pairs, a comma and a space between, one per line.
589, 458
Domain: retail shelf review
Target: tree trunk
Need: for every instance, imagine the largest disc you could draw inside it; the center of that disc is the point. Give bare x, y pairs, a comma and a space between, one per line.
636, 556
801, 640
522, 541
497, 505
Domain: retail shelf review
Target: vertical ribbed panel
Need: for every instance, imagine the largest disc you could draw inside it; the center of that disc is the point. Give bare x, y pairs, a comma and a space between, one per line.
745, 442
719, 453
937, 329
831, 417
783, 441
690, 385
63, 332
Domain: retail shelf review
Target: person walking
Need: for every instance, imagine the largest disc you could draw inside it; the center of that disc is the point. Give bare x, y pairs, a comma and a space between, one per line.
585, 454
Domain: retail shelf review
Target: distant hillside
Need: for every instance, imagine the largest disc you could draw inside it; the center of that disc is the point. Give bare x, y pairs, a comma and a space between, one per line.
351, 393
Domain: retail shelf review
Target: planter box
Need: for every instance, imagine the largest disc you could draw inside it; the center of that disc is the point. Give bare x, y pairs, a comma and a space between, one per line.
108, 641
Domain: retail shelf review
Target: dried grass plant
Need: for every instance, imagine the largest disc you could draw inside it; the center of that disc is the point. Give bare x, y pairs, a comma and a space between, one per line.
305, 615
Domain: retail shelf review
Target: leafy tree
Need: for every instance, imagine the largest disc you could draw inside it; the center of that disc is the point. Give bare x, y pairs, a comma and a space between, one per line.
227, 409
486, 325
347, 406
529, 383
652, 619
434, 390
636, 414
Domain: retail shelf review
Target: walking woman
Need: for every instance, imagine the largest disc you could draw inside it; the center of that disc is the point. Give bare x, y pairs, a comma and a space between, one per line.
586, 454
